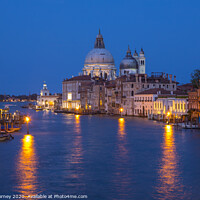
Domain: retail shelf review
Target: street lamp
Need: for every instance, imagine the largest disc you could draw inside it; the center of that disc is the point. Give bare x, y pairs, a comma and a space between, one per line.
27, 121
121, 110
77, 108
168, 115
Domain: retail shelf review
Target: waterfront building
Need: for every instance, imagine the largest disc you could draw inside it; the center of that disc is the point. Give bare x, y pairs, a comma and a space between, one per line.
48, 101
156, 103
71, 98
173, 105
127, 86
194, 100
133, 64
99, 61
144, 102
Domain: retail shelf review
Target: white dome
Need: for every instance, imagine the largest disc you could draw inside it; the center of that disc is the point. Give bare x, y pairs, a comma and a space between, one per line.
99, 56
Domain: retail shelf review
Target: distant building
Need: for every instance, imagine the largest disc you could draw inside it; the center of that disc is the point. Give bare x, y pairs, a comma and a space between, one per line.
99, 90
194, 100
71, 99
127, 86
47, 101
133, 64
99, 61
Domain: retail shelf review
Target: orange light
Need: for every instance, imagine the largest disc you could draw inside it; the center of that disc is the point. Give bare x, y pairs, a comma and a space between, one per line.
121, 109
27, 119
168, 114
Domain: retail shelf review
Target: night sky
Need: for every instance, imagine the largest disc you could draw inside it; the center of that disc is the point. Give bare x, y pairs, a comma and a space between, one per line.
49, 39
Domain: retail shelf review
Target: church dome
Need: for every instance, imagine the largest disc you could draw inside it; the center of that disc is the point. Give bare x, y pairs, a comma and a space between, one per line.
99, 55
129, 62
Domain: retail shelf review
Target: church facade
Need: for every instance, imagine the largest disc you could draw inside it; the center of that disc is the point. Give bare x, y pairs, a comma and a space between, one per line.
99, 61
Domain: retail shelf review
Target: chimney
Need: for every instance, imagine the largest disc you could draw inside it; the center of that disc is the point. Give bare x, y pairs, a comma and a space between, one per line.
145, 76
170, 77
175, 78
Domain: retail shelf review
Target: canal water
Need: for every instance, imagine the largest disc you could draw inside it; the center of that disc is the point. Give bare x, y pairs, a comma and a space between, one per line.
102, 157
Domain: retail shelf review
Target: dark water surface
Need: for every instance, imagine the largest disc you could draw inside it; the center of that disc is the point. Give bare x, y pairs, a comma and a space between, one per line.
100, 156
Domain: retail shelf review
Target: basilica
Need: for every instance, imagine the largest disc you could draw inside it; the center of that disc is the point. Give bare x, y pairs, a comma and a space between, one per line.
100, 62
132, 92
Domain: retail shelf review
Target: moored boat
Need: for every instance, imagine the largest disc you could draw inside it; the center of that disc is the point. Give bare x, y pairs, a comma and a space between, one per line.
4, 137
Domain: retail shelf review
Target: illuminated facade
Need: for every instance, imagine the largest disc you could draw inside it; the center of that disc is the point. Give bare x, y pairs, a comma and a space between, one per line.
124, 89
160, 102
194, 100
175, 106
71, 99
47, 101
99, 61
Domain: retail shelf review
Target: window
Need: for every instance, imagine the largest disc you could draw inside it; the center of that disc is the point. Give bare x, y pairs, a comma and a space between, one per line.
132, 93
132, 85
69, 96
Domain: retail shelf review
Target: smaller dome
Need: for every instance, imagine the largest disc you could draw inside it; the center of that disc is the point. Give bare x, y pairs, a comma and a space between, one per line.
129, 62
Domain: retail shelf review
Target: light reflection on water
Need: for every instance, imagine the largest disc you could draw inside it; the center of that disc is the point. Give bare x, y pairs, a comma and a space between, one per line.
169, 175
121, 179
76, 155
26, 167
102, 156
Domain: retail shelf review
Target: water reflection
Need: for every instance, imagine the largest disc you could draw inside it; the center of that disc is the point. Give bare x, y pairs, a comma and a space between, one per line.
169, 174
26, 167
121, 130
76, 155
121, 179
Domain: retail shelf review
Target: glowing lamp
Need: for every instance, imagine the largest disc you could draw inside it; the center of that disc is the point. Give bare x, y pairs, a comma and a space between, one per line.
168, 114
121, 109
27, 119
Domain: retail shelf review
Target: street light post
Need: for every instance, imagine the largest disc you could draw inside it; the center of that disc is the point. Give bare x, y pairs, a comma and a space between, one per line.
27, 121
121, 110
168, 115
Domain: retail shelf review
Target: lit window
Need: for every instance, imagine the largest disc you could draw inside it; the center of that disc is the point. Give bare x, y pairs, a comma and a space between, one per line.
69, 96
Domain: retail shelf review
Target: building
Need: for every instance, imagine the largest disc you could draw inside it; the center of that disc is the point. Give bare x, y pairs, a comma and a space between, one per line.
194, 100
99, 61
172, 105
144, 102
127, 86
158, 103
71, 92
48, 101
133, 64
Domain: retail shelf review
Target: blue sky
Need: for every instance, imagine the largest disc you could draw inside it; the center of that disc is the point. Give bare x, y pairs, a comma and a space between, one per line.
49, 39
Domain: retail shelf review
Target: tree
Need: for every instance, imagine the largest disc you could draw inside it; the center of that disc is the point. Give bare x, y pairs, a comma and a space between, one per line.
195, 78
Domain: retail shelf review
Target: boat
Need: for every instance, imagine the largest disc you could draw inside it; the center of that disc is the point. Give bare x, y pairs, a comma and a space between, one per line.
188, 126
4, 137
